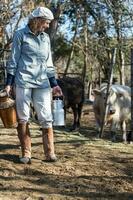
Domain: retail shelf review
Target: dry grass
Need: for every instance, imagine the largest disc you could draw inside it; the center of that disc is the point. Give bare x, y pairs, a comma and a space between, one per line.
87, 168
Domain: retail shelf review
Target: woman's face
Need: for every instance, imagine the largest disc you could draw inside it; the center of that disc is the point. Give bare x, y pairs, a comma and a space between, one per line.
42, 25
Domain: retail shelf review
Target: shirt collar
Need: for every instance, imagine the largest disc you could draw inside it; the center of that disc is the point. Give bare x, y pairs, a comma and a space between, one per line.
27, 30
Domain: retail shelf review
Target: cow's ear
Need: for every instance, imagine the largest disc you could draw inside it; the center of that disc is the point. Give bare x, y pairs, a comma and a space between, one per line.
96, 92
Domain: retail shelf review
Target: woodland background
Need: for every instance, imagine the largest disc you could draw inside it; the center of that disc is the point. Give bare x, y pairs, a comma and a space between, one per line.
83, 34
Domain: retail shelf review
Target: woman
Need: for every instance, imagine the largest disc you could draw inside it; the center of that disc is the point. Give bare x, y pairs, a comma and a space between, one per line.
31, 68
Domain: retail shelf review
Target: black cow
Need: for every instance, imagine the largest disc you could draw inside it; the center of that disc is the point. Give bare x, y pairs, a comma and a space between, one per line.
73, 91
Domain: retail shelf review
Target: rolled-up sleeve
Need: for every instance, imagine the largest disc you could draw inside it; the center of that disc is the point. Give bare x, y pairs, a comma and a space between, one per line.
15, 54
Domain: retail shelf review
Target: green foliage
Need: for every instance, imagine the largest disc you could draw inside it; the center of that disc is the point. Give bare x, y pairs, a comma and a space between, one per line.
61, 48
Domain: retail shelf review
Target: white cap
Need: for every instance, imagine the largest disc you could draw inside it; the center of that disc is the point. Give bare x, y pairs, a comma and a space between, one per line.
42, 12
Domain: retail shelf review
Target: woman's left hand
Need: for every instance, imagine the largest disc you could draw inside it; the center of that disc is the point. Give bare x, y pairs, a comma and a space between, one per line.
8, 89
57, 91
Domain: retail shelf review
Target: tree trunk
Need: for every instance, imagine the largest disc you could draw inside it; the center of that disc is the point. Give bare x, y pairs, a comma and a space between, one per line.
131, 96
54, 24
72, 48
122, 68
85, 48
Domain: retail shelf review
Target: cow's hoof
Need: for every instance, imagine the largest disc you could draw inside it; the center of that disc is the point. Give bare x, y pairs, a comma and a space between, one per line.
125, 142
98, 136
74, 129
130, 142
113, 140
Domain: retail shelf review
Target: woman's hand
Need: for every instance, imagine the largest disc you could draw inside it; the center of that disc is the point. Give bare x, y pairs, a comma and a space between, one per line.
57, 91
8, 89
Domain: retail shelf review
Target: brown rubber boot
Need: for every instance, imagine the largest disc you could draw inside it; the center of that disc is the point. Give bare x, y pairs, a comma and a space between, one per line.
25, 141
48, 144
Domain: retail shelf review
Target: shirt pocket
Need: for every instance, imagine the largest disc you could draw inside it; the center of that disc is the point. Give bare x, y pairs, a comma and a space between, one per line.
44, 49
28, 46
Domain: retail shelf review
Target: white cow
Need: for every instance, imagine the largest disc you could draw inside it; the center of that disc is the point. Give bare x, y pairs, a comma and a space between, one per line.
119, 108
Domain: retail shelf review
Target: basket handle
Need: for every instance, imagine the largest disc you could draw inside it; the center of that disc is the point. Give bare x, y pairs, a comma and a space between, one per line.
4, 90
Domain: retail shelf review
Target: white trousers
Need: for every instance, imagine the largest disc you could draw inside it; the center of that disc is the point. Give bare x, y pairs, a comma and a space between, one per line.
41, 100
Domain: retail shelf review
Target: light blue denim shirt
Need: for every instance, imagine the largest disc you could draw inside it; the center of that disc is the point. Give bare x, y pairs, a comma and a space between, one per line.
31, 61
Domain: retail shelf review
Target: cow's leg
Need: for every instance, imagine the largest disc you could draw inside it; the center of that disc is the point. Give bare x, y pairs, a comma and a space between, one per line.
98, 125
124, 132
98, 128
130, 137
113, 131
80, 106
98, 120
65, 113
75, 114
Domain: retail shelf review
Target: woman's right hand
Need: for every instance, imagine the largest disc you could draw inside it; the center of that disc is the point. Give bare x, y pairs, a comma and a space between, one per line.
57, 91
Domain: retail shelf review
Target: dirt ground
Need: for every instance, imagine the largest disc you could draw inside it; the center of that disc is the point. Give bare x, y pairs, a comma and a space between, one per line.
87, 167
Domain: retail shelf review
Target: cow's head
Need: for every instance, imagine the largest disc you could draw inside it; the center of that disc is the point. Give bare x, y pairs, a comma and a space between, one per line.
100, 99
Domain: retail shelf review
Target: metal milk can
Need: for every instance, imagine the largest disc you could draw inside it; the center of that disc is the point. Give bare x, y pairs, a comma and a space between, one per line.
58, 112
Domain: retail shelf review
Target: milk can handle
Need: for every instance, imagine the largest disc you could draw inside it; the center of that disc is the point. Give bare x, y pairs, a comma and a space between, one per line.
58, 97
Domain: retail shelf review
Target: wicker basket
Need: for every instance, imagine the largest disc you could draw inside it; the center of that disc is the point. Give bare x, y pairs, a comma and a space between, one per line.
7, 111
